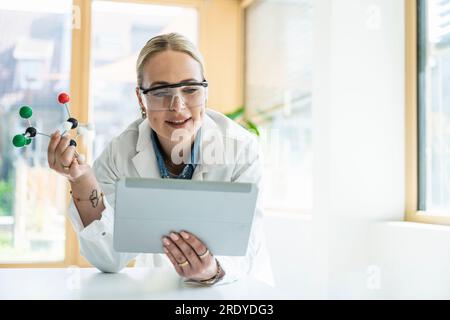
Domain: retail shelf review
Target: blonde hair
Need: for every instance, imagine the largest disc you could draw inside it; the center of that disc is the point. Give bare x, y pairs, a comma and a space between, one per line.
171, 41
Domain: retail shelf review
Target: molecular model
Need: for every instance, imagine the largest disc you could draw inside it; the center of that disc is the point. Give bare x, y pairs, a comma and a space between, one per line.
25, 112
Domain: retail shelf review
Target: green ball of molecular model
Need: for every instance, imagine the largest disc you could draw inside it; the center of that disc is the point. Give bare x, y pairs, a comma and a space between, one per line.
26, 112
19, 140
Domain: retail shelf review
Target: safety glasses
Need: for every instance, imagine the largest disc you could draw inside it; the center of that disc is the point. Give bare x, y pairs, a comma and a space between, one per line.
162, 98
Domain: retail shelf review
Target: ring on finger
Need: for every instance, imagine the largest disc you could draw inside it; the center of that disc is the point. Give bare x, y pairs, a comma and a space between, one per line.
184, 264
204, 255
66, 168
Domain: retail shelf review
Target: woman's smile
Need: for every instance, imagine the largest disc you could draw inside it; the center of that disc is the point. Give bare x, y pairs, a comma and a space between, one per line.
178, 123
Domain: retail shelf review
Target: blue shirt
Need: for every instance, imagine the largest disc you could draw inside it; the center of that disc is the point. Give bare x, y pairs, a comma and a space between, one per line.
188, 170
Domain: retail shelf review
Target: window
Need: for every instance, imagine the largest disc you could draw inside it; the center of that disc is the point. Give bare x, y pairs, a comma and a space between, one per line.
434, 106
119, 31
278, 98
35, 52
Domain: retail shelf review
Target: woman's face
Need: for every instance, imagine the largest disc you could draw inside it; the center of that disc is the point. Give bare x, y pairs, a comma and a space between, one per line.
171, 67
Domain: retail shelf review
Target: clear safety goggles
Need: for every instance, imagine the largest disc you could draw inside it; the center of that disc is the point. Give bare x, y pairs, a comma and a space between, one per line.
190, 94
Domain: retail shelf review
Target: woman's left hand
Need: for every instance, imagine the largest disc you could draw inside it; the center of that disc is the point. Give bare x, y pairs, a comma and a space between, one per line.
189, 256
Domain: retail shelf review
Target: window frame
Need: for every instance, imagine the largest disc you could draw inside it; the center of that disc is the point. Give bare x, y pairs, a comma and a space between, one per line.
414, 120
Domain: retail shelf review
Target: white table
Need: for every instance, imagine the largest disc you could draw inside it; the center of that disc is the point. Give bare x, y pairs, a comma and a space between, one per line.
131, 283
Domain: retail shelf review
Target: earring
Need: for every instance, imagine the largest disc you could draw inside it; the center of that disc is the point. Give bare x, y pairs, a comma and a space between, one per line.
144, 114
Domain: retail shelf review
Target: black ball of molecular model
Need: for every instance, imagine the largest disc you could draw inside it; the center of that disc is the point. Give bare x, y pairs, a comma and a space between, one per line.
25, 112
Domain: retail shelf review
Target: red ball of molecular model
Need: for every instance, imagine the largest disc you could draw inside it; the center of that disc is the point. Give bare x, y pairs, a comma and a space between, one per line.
63, 98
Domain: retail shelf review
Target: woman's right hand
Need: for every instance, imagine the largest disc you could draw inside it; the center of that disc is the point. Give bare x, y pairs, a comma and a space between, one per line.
62, 159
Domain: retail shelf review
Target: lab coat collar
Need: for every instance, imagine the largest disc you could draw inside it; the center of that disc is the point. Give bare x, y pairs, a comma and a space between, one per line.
145, 160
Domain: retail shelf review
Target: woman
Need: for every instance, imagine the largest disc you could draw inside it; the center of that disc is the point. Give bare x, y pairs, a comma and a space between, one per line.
172, 140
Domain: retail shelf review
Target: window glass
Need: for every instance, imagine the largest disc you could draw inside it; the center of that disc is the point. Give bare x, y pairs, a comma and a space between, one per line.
119, 31
434, 106
35, 54
278, 98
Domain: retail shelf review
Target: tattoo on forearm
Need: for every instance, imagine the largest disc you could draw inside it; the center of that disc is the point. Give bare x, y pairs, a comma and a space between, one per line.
94, 198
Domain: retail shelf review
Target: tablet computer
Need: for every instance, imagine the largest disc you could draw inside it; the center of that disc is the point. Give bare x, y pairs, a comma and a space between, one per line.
219, 213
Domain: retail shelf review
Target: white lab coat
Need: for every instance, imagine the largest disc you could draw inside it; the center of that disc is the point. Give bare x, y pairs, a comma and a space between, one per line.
131, 154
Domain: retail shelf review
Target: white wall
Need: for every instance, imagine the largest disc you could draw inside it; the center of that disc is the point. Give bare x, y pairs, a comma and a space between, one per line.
413, 260
359, 119
290, 244
348, 249
402, 261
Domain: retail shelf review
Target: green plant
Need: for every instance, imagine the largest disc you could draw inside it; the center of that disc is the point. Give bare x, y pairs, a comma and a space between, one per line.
6, 198
239, 117
5, 240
